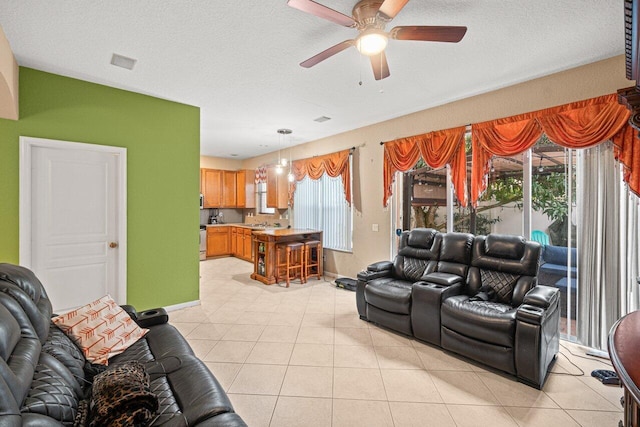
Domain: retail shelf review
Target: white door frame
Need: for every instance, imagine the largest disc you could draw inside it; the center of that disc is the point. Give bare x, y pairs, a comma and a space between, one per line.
26, 145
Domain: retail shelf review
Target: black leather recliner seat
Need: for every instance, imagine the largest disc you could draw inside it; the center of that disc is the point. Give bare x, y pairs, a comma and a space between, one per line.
387, 295
476, 296
43, 374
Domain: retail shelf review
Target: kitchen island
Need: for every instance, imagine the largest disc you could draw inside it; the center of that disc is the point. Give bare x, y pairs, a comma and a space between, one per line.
265, 242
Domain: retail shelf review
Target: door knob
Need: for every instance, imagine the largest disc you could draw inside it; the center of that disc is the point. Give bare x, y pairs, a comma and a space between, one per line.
113, 245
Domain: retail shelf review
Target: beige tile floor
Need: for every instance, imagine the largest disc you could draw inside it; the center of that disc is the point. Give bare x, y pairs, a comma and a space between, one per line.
302, 357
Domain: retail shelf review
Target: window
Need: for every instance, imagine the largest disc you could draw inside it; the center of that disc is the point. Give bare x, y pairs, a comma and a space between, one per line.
261, 189
320, 204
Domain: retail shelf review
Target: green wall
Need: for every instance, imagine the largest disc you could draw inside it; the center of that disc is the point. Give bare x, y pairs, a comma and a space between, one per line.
163, 147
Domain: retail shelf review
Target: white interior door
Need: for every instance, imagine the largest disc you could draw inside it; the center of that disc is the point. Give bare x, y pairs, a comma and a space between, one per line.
76, 238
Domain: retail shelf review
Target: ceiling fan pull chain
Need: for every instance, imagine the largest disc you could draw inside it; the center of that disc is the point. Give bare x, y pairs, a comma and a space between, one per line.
381, 79
360, 69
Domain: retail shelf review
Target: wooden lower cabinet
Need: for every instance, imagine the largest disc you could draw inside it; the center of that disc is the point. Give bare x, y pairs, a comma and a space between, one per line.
218, 241
230, 240
238, 238
247, 251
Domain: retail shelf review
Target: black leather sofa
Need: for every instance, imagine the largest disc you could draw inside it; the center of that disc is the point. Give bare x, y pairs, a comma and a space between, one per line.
44, 376
473, 295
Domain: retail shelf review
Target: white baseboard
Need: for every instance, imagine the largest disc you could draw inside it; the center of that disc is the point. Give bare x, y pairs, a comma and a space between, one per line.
182, 305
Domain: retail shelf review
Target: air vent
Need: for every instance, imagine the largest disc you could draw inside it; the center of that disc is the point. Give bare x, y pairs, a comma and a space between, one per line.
322, 119
123, 61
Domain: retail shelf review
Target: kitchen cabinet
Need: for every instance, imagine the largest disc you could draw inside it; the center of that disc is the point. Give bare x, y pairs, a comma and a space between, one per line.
277, 189
247, 251
211, 187
232, 241
245, 189
228, 189
218, 241
241, 243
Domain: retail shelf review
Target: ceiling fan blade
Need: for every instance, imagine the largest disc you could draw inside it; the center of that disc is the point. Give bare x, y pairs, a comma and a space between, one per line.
309, 6
380, 66
390, 8
327, 53
428, 33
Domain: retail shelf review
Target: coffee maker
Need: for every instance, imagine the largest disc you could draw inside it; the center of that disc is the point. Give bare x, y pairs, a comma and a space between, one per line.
213, 216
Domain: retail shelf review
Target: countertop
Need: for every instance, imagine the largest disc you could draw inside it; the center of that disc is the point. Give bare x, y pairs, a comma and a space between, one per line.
250, 226
279, 232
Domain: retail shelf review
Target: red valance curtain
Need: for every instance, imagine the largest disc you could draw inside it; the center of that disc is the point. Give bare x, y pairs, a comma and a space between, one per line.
334, 165
576, 125
261, 175
437, 149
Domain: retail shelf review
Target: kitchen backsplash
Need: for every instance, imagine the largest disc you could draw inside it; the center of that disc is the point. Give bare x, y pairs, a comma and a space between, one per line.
224, 215
246, 216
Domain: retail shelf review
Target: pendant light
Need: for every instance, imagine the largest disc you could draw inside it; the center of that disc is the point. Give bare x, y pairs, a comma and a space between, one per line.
282, 161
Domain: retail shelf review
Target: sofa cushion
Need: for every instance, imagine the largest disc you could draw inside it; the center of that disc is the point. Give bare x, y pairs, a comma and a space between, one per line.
409, 268
558, 269
60, 346
504, 246
23, 278
53, 391
501, 283
487, 321
559, 255
101, 329
389, 294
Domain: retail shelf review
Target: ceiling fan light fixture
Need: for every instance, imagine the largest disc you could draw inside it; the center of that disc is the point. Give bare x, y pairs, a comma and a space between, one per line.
371, 42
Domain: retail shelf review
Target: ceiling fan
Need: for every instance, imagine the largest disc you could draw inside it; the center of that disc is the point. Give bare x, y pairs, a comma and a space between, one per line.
370, 18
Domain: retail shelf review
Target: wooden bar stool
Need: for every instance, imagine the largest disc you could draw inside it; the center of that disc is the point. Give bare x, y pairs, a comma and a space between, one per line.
312, 265
291, 262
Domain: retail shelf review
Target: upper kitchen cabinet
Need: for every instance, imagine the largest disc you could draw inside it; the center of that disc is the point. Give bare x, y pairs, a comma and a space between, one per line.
228, 189
211, 187
277, 190
245, 189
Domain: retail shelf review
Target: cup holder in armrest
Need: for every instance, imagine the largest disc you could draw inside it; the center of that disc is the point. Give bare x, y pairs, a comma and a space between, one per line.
530, 314
155, 316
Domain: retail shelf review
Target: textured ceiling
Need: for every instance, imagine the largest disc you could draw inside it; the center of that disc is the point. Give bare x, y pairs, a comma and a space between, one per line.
238, 60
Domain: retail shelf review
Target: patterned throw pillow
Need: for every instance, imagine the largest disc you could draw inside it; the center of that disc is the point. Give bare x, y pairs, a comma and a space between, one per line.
101, 329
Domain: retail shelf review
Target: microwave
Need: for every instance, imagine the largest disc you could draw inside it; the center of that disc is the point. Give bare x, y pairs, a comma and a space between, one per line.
201, 201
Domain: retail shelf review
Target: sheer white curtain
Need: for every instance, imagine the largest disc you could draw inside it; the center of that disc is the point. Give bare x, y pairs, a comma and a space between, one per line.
607, 244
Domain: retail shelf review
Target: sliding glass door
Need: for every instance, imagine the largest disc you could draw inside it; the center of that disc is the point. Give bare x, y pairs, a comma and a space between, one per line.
554, 224
532, 194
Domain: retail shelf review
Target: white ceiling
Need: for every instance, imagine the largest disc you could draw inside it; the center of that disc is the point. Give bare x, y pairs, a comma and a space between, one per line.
238, 60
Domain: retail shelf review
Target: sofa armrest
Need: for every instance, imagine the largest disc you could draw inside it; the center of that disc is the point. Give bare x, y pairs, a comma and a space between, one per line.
131, 311
152, 317
541, 296
440, 278
375, 271
426, 299
380, 266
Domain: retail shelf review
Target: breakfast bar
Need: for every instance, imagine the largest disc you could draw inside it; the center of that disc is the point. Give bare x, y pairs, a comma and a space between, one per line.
265, 243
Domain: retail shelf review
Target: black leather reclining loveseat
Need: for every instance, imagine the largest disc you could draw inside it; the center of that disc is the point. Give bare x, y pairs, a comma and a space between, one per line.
474, 295
44, 376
